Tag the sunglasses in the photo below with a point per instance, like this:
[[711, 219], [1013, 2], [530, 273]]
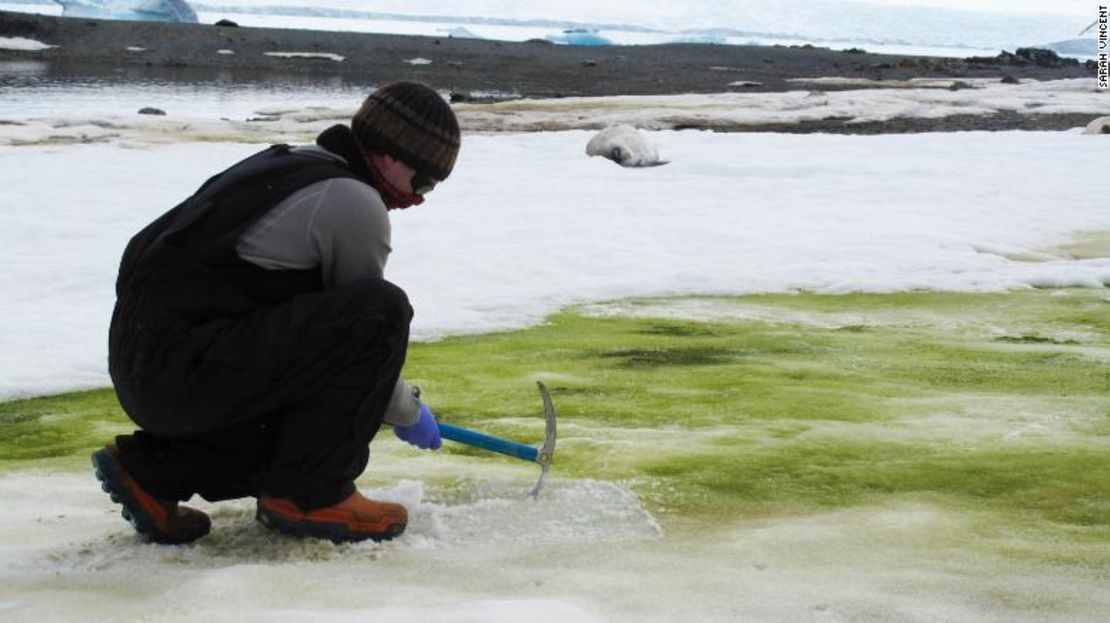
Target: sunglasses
[[422, 184]]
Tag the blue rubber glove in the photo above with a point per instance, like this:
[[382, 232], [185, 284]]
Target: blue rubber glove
[[424, 434]]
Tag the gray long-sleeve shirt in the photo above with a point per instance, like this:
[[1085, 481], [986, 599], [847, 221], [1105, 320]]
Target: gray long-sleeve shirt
[[341, 226]]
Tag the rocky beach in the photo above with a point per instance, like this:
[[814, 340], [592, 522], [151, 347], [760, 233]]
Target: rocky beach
[[486, 71]]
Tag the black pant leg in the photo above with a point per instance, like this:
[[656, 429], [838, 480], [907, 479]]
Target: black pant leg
[[321, 444], [224, 464], [318, 370]]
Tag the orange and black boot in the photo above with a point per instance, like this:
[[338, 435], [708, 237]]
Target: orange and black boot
[[160, 520], [356, 518]]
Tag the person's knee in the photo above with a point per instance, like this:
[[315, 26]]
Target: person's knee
[[396, 300], [379, 298]]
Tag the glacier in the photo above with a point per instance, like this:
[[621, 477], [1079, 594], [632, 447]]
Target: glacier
[[134, 10]]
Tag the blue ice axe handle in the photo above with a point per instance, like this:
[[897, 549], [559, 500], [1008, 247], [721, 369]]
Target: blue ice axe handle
[[542, 455], [488, 442]]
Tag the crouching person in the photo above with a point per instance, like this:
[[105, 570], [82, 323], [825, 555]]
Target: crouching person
[[255, 342]]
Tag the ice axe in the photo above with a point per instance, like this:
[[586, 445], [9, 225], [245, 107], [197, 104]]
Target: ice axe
[[542, 455]]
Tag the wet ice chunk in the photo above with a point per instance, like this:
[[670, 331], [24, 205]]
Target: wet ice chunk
[[576, 511]]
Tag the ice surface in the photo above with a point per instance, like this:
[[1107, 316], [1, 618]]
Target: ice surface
[[485, 514]]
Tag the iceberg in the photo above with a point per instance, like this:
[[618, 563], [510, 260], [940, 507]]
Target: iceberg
[[1078, 48], [134, 10], [579, 36]]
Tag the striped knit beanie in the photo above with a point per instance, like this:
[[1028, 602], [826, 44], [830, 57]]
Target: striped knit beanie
[[412, 123]]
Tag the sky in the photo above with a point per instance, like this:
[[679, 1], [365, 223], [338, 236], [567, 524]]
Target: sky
[[1080, 8]]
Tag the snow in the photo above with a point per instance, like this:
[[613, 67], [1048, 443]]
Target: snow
[[732, 213], [244, 572], [899, 562], [23, 44], [324, 55]]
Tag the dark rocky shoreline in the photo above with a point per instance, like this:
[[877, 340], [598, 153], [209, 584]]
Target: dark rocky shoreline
[[477, 69]]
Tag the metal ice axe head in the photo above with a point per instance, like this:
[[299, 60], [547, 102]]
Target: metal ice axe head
[[543, 455]]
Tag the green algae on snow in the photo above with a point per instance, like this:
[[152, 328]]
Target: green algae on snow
[[773, 404], [55, 428]]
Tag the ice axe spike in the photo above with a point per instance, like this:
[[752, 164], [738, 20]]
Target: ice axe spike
[[542, 455]]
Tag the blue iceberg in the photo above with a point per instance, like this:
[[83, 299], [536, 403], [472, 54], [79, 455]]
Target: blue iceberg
[[579, 36], [1077, 48], [134, 10]]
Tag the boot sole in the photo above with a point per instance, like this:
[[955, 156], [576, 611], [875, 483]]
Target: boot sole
[[109, 472], [334, 532]]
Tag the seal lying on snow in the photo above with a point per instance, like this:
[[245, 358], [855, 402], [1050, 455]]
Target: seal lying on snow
[[1098, 126], [625, 146]]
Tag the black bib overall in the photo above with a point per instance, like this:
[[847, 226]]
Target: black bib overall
[[246, 380]]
